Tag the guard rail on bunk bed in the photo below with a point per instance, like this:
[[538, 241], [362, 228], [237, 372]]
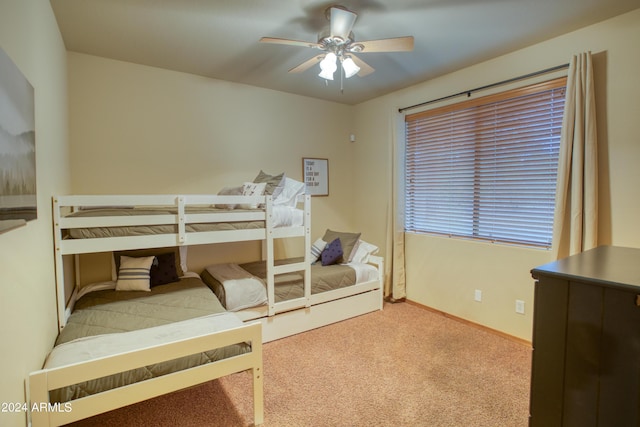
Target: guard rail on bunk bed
[[45, 413]]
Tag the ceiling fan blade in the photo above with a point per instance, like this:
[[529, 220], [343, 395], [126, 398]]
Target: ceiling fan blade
[[397, 44], [307, 64], [342, 21], [365, 69], [289, 42]]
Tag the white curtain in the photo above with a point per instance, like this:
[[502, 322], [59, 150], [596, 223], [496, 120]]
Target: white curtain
[[576, 213], [395, 282]]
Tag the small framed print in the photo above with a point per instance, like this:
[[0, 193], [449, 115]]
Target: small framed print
[[316, 176]]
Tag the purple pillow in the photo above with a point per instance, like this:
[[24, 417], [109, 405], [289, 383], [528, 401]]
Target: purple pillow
[[163, 269], [332, 253]]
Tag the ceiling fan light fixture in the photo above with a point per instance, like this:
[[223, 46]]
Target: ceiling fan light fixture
[[337, 41], [350, 68], [328, 66]]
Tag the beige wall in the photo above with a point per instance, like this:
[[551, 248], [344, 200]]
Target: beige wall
[[137, 129], [28, 325], [443, 273]]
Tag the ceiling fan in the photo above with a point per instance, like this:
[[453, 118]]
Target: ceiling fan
[[338, 44]]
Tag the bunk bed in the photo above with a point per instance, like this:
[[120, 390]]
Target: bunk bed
[[107, 223], [162, 221], [111, 223]]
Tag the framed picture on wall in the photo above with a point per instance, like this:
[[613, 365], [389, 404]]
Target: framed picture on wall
[[18, 202], [316, 176]]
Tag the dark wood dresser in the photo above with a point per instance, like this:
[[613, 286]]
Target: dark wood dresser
[[586, 340]]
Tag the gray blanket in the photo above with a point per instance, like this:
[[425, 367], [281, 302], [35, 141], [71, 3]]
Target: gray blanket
[[290, 286], [110, 311]]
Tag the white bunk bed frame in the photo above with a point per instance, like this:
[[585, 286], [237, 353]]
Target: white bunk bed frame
[[62, 205], [262, 324], [280, 319]]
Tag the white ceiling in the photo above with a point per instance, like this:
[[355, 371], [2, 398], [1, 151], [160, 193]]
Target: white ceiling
[[219, 38]]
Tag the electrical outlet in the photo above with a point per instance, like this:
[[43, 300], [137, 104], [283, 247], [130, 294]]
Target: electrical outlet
[[519, 306], [478, 295]]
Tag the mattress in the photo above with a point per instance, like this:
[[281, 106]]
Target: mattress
[[291, 285], [283, 216], [110, 315], [144, 230]]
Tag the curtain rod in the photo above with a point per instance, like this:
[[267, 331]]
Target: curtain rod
[[470, 91]]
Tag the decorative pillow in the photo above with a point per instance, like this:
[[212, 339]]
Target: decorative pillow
[[316, 249], [290, 192], [252, 189], [179, 258], [229, 191], [363, 251], [347, 240], [332, 254], [133, 274], [275, 183], [163, 269]]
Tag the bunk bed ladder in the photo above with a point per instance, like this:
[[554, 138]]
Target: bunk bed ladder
[[273, 270], [307, 248]]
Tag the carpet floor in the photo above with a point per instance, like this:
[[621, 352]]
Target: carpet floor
[[402, 366]]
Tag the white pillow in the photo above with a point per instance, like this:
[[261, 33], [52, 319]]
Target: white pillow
[[363, 251], [134, 273], [316, 249], [252, 189], [290, 192]]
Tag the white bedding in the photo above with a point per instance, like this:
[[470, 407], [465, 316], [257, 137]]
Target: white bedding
[[364, 272], [285, 216], [242, 289], [93, 347]]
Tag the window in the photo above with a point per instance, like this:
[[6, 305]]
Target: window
[[486, 168]]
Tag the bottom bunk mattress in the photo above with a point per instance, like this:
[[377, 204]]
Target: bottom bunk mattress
[[291, 285], [107, 319]]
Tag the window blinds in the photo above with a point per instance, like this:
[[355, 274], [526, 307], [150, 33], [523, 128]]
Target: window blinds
[[486, 168]]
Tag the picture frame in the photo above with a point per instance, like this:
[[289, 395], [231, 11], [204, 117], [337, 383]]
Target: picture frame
[[316, 176], [18, 198]]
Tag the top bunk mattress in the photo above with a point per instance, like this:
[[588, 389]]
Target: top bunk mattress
[[283, 216]]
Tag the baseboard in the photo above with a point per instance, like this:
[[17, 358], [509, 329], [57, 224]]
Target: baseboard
[[472, 324]]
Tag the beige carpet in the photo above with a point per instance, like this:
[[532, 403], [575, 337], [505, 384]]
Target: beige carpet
[[403, 366]]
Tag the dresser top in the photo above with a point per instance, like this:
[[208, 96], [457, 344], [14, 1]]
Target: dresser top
[[605, 266]]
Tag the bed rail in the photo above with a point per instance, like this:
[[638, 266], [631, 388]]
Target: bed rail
[[177, 215], [41, 382]]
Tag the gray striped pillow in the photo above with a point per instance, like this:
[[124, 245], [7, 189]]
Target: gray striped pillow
[[134, 273]]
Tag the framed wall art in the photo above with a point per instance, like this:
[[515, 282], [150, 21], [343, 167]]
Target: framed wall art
[[18, 201], [316, 176]]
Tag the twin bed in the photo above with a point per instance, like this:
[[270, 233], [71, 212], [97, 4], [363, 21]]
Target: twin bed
[[116, 348]]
